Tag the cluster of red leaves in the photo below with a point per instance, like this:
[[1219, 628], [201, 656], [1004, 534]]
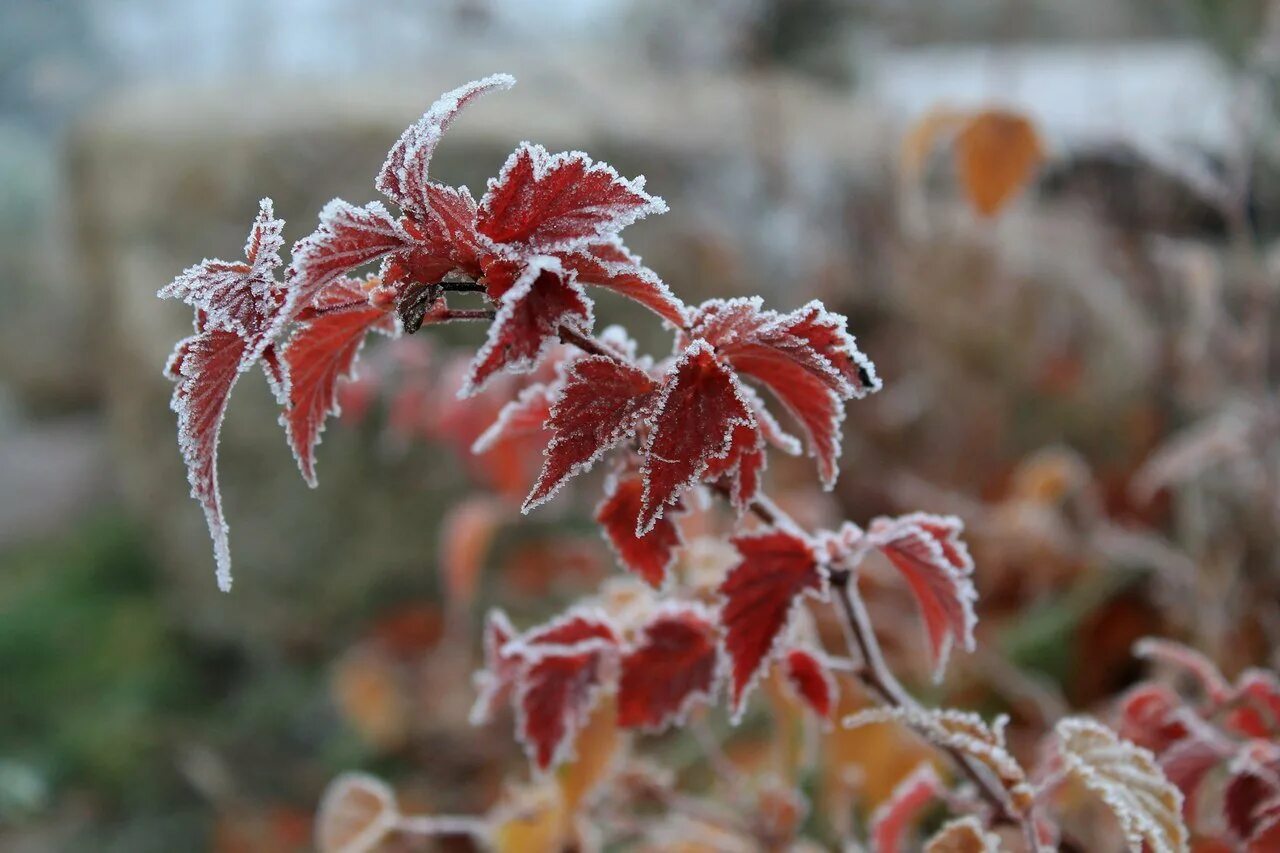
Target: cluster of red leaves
[[546, 226], [680, 655], [1221, 747], [660, 670]]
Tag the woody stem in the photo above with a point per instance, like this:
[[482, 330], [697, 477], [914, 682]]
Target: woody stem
[[879, 678]]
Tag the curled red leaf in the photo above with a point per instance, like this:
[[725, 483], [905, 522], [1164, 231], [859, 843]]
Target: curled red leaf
[[927, 550], [811, 681], [403, 177]]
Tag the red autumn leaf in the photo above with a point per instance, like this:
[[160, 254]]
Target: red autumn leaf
[[444, 241], [242, 297], [806, 358], [205, 368], [550, 202], [576, 626], [1149, 716], [672, 667], [506, 654], [650, 556], [1256, 705], [741, 467], [610, 265], [1187, 762], [239, 308], [812, 681], [600, 404], [1253, 786], [760, 594], [320, 352], [928, 552], [892, 820], [556, 690], [494, 682], [347, 237], [529, 317], [403, 177], [694, 420]]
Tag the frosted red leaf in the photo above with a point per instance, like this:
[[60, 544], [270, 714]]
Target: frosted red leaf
[[609, 264], [239, 296], [694, 420], [494, 682], [556, 690], [549, 202], [893, 819], [806, 358], [741, 467], [928, 552], [671, 667], [1149, 716], [1256, 705], [650, 556], [509, 656], [809, 677], [205, 367], [542, 300], [347, 237], [759, 596], [599, 405], [239, 307], [322, 351], [1253, 787], [576, 626], [403, 177]]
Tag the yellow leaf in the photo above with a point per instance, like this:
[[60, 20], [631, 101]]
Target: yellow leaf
[[869, 761], [1128, 779], [595, 751], [997, 154], [534, 819]]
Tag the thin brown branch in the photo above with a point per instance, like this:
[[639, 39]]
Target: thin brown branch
[[879, 678], [450, 315]]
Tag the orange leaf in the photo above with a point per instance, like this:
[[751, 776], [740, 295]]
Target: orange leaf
[[533, 819], [595, 752], [467, 534], [997, 154]]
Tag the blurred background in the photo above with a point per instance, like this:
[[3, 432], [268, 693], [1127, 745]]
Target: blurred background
[[1052, 225]]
